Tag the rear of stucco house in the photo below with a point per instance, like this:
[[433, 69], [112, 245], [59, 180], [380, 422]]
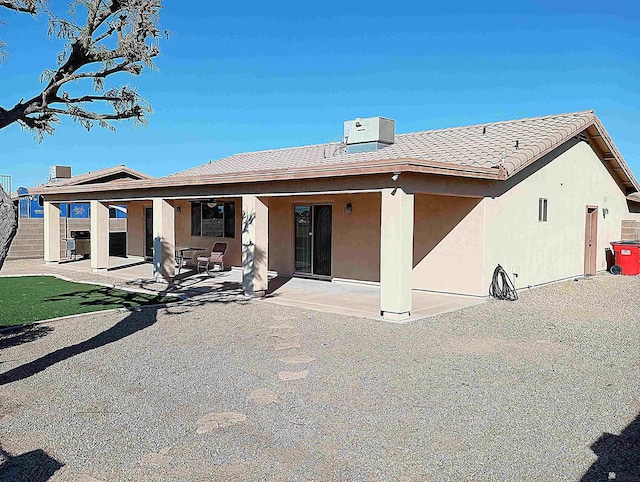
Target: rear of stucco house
[[434, 210]]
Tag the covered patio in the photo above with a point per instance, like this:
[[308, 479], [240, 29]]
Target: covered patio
[[352, 299], [382, 235]]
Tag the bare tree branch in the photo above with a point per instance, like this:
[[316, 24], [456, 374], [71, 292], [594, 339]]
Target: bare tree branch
[[117, 36], [24, 6]]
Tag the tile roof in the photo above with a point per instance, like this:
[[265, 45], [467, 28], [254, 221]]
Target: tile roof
[[96, 176], [512, 144], [95, 179]]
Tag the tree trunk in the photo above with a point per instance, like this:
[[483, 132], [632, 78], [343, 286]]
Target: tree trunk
[[8, 224]]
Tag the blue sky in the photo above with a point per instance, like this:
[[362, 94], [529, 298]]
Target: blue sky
[[240, 77]]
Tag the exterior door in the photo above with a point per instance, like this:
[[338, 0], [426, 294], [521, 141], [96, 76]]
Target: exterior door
[[313, 240], [148, 232], [591, 241]]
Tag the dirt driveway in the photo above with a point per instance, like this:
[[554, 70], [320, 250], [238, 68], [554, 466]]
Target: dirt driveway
[[545, 388]]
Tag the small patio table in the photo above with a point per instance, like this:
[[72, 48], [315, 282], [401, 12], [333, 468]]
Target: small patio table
[[180, 251]]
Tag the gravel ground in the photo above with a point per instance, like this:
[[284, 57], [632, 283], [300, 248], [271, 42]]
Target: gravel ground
[[545, 388]]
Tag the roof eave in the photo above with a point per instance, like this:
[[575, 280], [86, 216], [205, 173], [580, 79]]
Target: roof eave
[[353, 169], [604, 135], [110, 171], [597, 124]]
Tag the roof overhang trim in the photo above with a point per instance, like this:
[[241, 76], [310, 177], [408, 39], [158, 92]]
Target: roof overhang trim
[[620, 167], [353, 169]]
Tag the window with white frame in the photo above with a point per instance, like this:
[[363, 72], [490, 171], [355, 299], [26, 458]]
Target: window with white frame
[[213, 219], [542, 210]]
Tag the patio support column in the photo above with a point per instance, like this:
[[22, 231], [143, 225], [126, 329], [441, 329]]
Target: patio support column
[[51, 233], [396, 254], [164, 240], [255, 242], [99, 213]]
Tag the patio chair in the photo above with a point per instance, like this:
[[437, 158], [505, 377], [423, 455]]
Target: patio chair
[[215, 258]]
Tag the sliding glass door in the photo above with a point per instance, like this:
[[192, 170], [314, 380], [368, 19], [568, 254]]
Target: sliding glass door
[[303, 235], [313, 240], [148, 232]]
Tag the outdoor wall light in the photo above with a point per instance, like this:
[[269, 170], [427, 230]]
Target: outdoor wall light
[[178, 210], [348, 209], [605, 211], [395, 176]]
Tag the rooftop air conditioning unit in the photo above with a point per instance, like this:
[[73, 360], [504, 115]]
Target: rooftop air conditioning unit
[[59, 172], [369, 129], [369, 134]]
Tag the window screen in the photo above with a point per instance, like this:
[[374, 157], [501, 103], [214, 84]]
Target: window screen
[[542, 210], [229, 220], [213, 220], [196, 219]]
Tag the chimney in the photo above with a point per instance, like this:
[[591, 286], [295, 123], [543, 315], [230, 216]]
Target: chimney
[[368, 134]]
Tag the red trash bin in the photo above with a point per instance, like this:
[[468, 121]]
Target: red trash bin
[[627, 256]]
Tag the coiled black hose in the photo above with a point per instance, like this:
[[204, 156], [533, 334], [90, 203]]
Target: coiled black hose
[[501, 286]]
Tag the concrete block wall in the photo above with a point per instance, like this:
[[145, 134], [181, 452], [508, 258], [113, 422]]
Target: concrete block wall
[[29, 240], [630, 230]]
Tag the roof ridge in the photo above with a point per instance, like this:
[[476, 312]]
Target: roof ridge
[[510, 121], [264, 151], [102, 172], [281, 149]]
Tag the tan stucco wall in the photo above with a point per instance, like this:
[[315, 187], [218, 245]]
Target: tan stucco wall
[[448, 248], [135, 228], [541, 252], [356, 237], [281, 235], [135, 233], [458, 240], [233, 256]]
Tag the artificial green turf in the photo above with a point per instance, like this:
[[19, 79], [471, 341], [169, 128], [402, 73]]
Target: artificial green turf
[[31, 298]]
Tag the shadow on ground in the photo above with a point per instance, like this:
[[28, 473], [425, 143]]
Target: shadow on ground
[[130, 265], [34, 466], [109, 297], [22, 334], [200, 287], [618, 456], [275, 284], [135, 321]]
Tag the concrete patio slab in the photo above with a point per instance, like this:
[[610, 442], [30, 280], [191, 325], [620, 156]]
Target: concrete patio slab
[[123, 268], [339, 297], [355, 299]]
